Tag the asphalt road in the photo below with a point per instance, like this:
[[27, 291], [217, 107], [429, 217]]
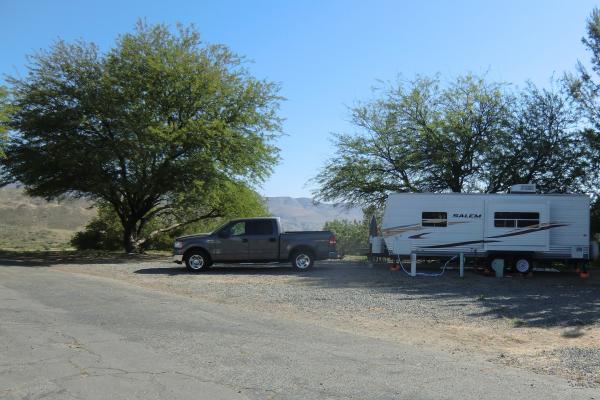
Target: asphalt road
[[66, 336]]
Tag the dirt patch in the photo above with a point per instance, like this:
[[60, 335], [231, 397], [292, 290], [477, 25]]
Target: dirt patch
[[549, 323]]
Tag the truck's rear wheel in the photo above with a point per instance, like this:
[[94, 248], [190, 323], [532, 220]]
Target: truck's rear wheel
[[197, 261], [303, 260]]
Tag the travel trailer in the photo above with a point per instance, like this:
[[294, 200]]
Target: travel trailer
[[515, 228]]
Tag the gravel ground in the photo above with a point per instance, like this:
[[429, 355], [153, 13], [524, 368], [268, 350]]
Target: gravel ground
[[549, 323]]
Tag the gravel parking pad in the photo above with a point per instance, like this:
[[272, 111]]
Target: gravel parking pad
[[548, 323]]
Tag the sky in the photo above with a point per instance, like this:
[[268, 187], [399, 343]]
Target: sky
[[327, 55]]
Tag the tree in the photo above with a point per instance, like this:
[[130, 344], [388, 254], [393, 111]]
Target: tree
[[543, 139], [352, 236], [586, 92], [418, 136], [156, 121], [470, 136], [229, 200], [4, 107]]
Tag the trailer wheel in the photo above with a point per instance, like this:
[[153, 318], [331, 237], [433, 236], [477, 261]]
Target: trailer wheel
[[523, 265]]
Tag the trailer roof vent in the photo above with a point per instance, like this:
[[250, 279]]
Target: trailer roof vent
[[523, 188]]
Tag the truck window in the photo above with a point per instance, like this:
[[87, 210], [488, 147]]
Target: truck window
[[259, 227], [436, 218], [514, 219], [238, 229]]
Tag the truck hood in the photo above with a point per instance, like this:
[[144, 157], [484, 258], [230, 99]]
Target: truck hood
[[193, 236]]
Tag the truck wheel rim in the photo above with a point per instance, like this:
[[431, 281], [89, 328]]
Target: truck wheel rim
[[196, 262], [302, 261], [522, 266]]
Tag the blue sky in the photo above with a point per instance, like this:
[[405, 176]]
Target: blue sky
[[328, 54]]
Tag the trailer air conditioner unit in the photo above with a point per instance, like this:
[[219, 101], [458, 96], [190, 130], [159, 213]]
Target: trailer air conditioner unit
[[523, 188]]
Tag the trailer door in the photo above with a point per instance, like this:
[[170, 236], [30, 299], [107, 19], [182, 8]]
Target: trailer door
[[516, 225]]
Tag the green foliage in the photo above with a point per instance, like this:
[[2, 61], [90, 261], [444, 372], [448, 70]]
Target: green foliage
[[4, 107], [105, 231], [470, 135], [583, 86], [595, 219], [156, 121], [542, 141], [352, 236], [585, 89]]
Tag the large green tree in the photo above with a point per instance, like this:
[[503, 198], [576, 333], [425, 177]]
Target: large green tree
[[585, 88], [469, 135], [3, 120], [149, 127], [416, 136], [543, 144]]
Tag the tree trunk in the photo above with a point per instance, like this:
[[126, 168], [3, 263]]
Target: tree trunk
[[129, 239]]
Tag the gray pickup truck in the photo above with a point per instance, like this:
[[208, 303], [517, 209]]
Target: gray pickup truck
[[257, 240]]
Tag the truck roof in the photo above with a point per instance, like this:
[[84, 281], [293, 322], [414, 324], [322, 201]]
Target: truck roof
[[254, 218]]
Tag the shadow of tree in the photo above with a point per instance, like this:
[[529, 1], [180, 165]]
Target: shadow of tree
[[220, 269], [50, 258], [547, 299]]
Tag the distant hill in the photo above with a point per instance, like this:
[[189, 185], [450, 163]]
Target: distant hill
[[35, 224], [303, 214]]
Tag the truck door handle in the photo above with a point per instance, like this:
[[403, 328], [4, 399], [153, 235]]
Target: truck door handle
[[244, 240], [272, 240]]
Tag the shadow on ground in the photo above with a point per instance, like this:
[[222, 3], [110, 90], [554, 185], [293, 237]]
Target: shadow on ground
[[546, 299], [50, 258], [234, 269]]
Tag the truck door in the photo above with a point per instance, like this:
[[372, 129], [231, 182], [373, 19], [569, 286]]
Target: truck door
[[231, 243], [516, 226], [263, 240]]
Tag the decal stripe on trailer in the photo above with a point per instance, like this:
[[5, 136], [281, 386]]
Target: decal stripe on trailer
[[524, 232], [542, 228]]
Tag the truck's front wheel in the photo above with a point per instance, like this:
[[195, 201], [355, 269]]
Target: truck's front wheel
[[303, 260], [197, 261]]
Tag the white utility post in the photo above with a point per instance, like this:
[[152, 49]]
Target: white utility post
[[462, 265], [413, 264]]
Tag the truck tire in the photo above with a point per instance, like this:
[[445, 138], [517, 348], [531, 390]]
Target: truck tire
[[302, 259], [523, 265], [197, 260]]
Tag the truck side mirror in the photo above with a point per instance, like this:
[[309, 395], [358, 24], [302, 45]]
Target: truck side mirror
[[224, 234]]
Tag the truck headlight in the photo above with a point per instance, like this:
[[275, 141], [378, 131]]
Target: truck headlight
[[178, 245]]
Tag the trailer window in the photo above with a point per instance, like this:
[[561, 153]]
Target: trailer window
[[436, 218], [516, 219]]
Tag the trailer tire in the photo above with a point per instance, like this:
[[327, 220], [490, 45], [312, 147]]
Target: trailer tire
[[523, 265], [302, 259]]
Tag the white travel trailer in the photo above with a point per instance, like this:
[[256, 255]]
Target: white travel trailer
[[517, 227]]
